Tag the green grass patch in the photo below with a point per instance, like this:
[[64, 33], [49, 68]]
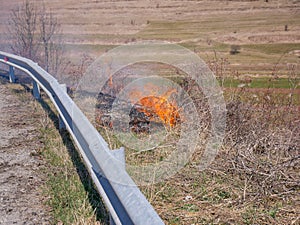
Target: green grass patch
[[190, 208], [263, 82], [72, 196], [250, 216], [88, 48], [276, 48]]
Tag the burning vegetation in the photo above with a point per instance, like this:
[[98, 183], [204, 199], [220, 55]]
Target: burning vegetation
[[161, 107], [160, 110]]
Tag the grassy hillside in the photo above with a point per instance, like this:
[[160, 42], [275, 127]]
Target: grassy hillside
[[258, 27]]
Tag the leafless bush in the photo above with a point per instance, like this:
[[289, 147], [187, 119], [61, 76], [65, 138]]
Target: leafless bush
[[235, 49], [75, 71], [263, 143], [220, 67]]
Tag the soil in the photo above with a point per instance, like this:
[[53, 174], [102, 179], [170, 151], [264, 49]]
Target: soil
[[21, 168]]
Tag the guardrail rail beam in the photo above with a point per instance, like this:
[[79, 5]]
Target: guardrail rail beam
[[123, 199]]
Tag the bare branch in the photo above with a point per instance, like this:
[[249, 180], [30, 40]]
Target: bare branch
[[36, 34]]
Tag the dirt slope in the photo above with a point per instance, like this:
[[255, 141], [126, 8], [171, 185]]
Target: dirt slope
[[20, 166]]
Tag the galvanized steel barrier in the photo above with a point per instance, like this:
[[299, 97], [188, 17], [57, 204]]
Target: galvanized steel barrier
[[125, 202]]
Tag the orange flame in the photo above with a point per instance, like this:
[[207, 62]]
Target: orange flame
[[160, 105]]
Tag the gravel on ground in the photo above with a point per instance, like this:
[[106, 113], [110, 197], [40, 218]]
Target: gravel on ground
[[22, 172]]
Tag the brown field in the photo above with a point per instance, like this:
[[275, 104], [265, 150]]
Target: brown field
[[93, 27]]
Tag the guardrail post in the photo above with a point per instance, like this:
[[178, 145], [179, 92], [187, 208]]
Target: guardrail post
[[62, 125], [36, 90], [12, 77]]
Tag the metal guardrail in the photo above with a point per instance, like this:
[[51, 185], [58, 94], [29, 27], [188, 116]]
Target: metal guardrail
[[126, 203]]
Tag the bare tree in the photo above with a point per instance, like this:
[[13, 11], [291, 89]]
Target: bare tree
[[36, 34], [50, 38], [22, 30]]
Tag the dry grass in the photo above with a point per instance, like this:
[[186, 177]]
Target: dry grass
[[255, 177]]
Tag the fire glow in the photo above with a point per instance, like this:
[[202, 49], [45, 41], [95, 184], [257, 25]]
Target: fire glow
[[166, 110]]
